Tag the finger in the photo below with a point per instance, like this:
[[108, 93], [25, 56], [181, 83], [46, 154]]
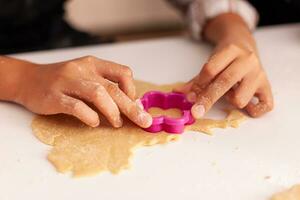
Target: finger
[[185, 88], [127, 85], [119, 74], [217, 63], [95, 93], [243, 93], [265, 103], [112, 71], [196, 89], [233, 74], [77, 108], [129, 108]]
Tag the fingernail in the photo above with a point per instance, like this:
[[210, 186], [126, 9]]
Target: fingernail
[[145, 119], [191, 96], [139, 104], [198, 111], [95, 124], [119, 123]]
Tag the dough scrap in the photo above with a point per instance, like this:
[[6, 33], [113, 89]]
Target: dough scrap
[[291, 194], [233, 119], [86, 151]]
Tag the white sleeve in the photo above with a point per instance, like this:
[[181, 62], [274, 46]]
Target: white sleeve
[[197, 12]]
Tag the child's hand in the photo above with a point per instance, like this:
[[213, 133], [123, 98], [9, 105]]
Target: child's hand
[[236, 72], [234, 69], [68, 87]]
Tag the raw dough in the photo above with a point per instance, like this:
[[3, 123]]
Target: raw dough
[[86, 151], [233, 119], [290, 194], [173, 112]]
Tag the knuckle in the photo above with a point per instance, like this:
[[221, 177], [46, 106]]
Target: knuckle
[[197, 88], [127, 70], [76, 106], [113, 88], [98, 92], [233, 47], [239, 102], [72, 106], [89, 58], [252, 57], [208, 70], [226, 78], [260, 109], [69, 66]]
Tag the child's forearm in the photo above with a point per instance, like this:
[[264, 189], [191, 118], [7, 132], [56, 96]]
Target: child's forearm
[[12, 73]]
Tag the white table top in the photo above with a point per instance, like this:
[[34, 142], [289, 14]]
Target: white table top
[[232, 164]]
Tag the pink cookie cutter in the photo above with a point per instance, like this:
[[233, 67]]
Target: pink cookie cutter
[[167, 101]]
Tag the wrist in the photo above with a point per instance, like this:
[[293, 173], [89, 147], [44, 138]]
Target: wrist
[[14, 75], [229, 28], [244, 42]]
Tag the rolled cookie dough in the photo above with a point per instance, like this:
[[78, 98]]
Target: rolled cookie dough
[[290, 194], [86, 151]]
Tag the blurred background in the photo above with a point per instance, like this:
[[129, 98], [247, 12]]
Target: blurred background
[[125, 19], [31, 25]]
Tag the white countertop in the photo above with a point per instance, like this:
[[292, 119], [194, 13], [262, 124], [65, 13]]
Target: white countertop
[[232, 164]]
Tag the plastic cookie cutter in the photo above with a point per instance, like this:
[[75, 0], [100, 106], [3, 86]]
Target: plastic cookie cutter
[[167, 101]]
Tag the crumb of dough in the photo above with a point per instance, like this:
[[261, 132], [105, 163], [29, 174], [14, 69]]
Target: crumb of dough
[[86, 151], [291, 194]]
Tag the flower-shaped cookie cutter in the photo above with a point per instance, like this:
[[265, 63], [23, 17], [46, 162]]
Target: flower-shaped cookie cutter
[[167, 101]]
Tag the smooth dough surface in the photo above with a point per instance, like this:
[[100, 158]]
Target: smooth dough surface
[[290, 194], [86, 151]]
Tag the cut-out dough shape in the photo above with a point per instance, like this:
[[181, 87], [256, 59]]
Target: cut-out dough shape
[[86, 151]]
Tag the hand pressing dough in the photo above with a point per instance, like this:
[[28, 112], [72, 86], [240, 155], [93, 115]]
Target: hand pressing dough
[[86, 151], [290, 194]]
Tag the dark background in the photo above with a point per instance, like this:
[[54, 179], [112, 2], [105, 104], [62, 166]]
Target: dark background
[[39, 24]]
